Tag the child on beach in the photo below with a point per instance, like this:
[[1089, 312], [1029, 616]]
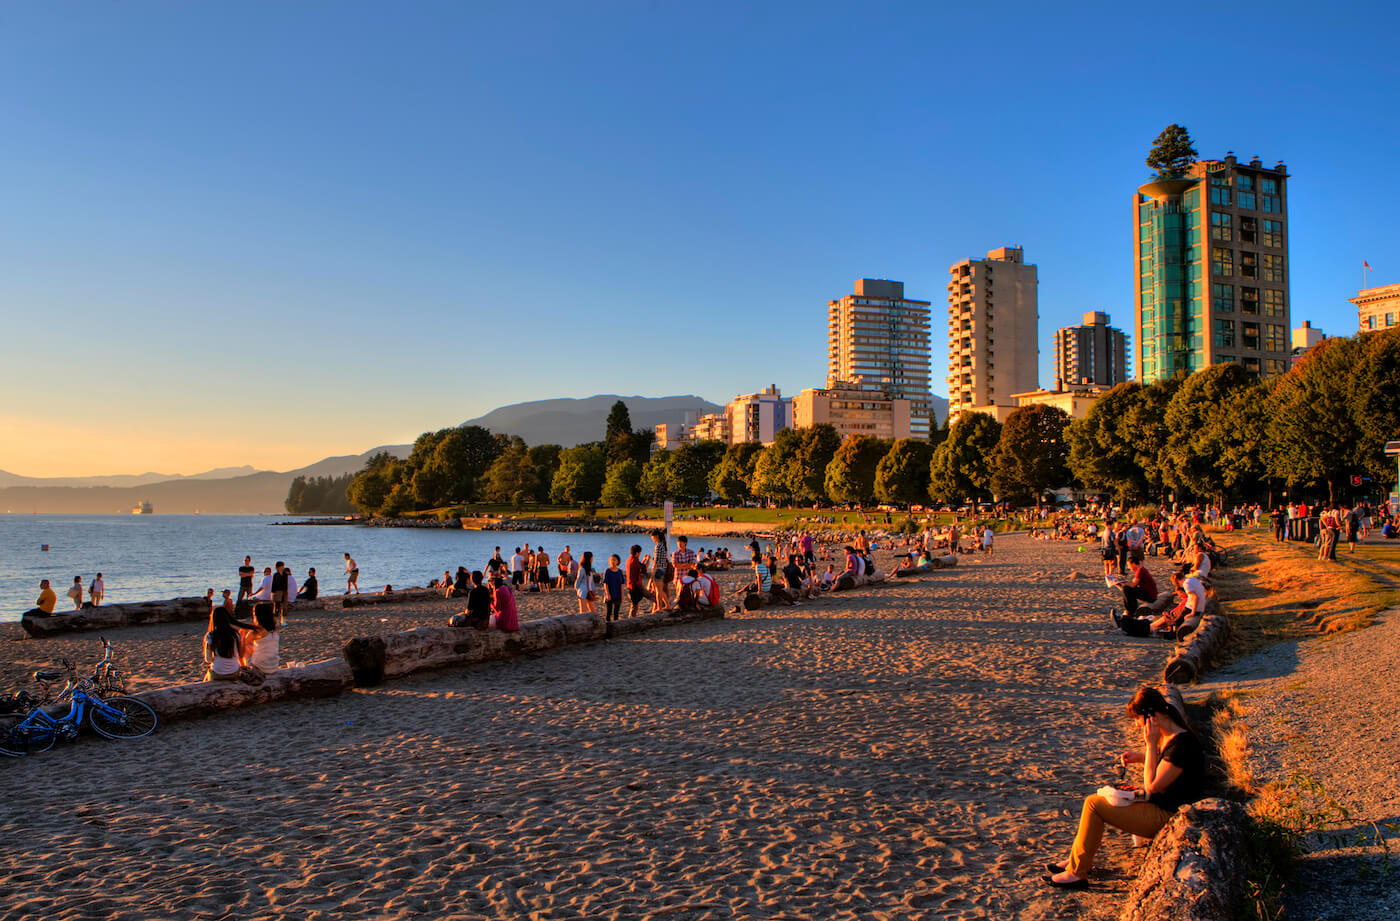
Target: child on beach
[[503, 614], [828, 577], [613, 580], [583, 585]]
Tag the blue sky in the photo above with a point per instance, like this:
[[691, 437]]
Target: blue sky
[[269, 232]]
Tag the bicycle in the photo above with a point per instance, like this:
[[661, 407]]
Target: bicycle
[[115, 718]]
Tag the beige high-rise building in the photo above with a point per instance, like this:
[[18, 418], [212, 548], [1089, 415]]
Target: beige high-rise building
[[877, 339], [853, 410], [993, 332], [1377, 308]]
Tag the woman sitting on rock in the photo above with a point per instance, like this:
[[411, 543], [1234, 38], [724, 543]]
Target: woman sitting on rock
[[1173, 775]]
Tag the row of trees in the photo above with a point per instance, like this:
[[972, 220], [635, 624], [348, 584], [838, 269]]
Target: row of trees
[[1220, 434], [322, 495]]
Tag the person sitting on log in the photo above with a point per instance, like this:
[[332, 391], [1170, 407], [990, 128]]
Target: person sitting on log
[[1139, 587], [223, 648], [1145, 618], [503, 613], [798, 583], [260, 648], [1173, 775], [762, 583], [779, 594], [309, 588], [828, 578]]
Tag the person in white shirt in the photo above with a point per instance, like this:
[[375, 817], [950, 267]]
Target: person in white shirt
[[97, 589], [265, 642], [517, 570], [987, 537], [75, 592], [352, 575], [264, 592]]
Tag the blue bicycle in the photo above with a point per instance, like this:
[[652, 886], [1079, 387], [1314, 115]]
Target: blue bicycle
[[114, 717]]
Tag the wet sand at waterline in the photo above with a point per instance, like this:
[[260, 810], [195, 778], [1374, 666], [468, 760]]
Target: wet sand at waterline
[[913, 751]]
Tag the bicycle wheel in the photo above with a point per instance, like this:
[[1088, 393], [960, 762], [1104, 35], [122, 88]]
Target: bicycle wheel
[[27, 740], [122, 718]]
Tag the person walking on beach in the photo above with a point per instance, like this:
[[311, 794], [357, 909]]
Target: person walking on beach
[[245, 578], [352, 575], [987, 538], [583, 585], [97, 590], [75, 592]]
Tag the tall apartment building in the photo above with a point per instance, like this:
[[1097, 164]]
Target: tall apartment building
[[1211, 252], [854, 410], [758, 416], [1091, 354], [1377, 308], [993, 332], [877, 339]]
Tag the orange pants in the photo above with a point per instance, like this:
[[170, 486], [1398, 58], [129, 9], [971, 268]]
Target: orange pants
[[1142, 819]]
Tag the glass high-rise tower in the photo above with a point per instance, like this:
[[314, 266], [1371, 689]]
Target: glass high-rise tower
[[1211, 253]]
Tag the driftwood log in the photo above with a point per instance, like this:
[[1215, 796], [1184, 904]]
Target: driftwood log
[[203, 698], [373, 659], [1193, 655], [411, 594], [1195, 868], [110, 616]]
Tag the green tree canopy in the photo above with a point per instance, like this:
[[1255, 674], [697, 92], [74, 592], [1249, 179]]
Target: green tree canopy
[[1200, 423], [901, 477], [654, 485], [579, 479], [961, 465], [544, 459], [620, 487], [510, 473], [1312, 436], [1172, 152], [730, 479], [807, 476], [850, 476], [772, 471], [688, 471], [1031, 456], [1116, 447], [1376, 402]]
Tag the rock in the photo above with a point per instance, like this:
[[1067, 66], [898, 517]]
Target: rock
[[1195, 868], [1193, 656], [182, 701]]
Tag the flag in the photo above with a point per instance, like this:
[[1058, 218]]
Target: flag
[[1366, 265]]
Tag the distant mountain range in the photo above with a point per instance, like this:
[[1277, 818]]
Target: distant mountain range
[[246, 490], [570, 422]]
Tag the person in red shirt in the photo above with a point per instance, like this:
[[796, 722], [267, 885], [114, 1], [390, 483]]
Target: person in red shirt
[[503, 615], [636, 579]]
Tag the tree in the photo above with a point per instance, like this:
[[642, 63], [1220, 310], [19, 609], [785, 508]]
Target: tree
[[1376, 404], [850, 477], [1200, 430], [901, 477], [1312, 434], [579, 479], [654, 484], [371, 486], [772, 470], [961, 466], [1115, 448], [618, 435], [688, 472], [459, 460], [620, 487], [730, 479], [1172, 152], [511, 473], [1031, 456], [545, 461], [807, 476]]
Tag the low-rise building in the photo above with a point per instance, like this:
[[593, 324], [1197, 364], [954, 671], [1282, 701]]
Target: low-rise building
[[1377, 308], [854, 410], [712, 427], [1075, 401], [758, 416]]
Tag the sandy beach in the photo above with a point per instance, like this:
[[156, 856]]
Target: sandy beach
[[916, 751]]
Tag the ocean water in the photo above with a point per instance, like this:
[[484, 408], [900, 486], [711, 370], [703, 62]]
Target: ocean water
[[145, 557]]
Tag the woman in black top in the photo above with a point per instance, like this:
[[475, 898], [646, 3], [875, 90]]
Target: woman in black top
[[1173, 774], [478, 603]]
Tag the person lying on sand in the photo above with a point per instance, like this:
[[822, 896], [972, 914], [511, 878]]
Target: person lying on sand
[[1173, 775]]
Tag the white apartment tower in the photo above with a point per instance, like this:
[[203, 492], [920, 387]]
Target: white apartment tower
[[993, 324], [878, 340]]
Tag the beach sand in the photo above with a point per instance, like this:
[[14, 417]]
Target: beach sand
[[915, 751]]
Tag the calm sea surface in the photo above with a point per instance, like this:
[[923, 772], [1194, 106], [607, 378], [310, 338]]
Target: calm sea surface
[[143, 557]]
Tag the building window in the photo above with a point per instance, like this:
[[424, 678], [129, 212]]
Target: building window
[[1222, 298], [1219, 196], [1268, 186], [1389, 320], [1245, 183], [1225, 359], [1273, 303], [1251, 364], [1249, 267], [1273, 337], [1273, 233], [1222, 261], [1247, 228], [1250, 339], [1271, 204], [1274, 366], [1225, 334], [1273, 268], [1249, 300], [1220, 226], [1247, 201]]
